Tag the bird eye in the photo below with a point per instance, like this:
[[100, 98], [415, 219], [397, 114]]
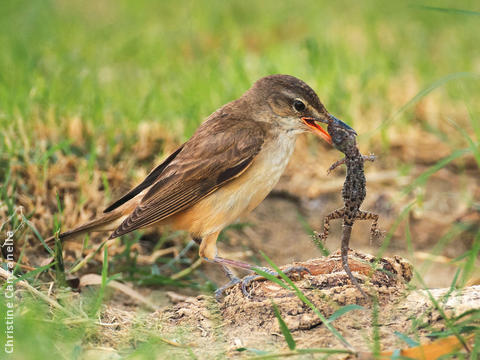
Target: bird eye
[[299, 105], [338, 138]]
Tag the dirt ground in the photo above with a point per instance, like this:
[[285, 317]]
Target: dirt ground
[[281, 227], [282, 224], [211, 328]]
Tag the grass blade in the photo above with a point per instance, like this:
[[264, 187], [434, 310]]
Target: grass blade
[[101, 291], [386, 241], [59, 265], [449, 10], [422, 178], [308, 229], [34, 272], [422, 93], [448, 321], [409, 341], [473, 146], [272, 278], [302, 297], [476, 347], [343, 310], [469, 266], [408, 238], [297, 352], [284, 328], [37, 234], [376, 346], [89, 256]]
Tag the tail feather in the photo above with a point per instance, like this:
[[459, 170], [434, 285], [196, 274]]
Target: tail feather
[[107, 222]]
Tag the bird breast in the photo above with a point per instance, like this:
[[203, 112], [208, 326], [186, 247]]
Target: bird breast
[[242, 194], [264, 173]]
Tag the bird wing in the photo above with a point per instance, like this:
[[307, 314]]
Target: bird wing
[[218, 152], [147, 182]]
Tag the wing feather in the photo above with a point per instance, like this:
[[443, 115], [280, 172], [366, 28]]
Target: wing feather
[[149, 180], [218, 152]]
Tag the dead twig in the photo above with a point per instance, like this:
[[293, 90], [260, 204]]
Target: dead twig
[[6, 275]]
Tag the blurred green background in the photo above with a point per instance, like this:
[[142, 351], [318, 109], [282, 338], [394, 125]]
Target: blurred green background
[[390, 69], [116, 63]]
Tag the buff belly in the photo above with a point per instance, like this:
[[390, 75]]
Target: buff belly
[[237, 197]]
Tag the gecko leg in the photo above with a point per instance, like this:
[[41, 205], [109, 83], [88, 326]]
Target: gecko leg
[[370, 157], [335, 165], [347, 231], [336, 214], [375, 233]]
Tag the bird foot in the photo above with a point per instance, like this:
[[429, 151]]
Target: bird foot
[[247, 280], [221, 290]]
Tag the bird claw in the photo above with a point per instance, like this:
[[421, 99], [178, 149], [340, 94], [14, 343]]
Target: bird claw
[[219, 292], [288, 271], [248, 279]]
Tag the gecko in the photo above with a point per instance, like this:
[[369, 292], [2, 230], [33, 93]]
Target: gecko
[[353, 193]]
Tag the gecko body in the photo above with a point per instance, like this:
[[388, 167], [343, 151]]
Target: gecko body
[[353, 193]]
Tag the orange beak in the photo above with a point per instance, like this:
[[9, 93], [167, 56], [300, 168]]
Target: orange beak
[[317, 129]]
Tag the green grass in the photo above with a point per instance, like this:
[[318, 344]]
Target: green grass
[[117, 64]]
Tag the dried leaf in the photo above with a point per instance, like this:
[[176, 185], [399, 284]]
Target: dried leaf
[[430, 351]]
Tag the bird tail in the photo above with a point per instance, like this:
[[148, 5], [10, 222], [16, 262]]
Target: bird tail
[[108, 222]]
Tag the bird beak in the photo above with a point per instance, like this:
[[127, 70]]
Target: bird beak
[[312, 123]]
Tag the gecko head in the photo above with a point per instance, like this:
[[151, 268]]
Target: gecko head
[[342, 138]]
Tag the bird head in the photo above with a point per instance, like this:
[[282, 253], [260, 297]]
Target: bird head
[[294, 105]]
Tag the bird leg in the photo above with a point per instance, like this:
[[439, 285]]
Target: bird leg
[[247, 279], [233, 281], [208, 253], [229, 262], [347, 231]]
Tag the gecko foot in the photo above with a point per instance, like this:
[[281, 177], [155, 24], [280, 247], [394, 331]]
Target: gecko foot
[[376, 235], [370, 157], [319, 239]]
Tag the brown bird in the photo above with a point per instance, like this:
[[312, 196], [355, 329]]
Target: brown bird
[[224, 170]]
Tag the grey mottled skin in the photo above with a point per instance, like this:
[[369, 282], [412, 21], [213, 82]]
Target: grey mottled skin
[[353, 192]]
